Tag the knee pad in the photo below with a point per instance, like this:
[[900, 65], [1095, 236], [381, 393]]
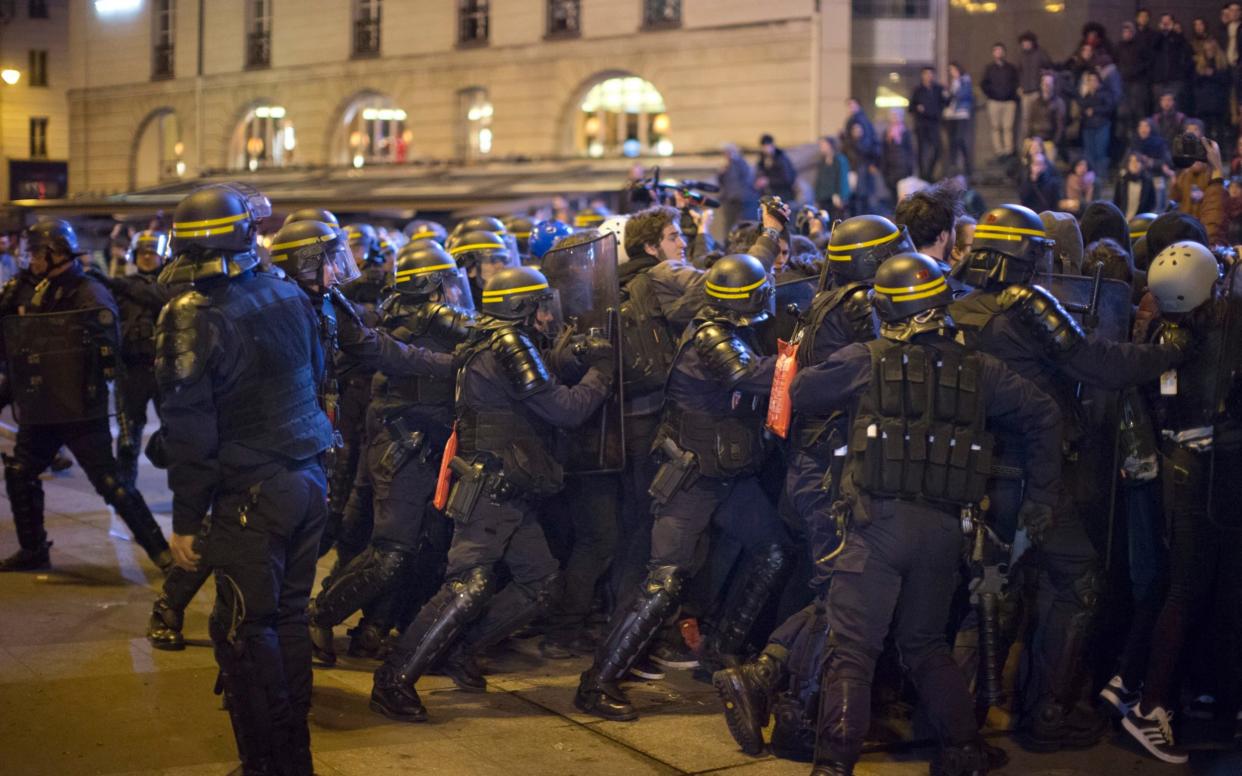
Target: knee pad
[[390, 564], [663, 579], [474, 582], [115, 493], [1088, 588]]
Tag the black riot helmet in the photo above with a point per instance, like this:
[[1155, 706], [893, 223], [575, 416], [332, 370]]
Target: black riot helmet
[[364, 242], [214, 231], [423, 229], [148, 241], [520, 228], [910, 296], [480, 224], [475, 248], [423, 267], [590, 218], [314, 254], [1010, 244], [313, 214], [860, 244], [517, 293], [52, 238], [739, 285]]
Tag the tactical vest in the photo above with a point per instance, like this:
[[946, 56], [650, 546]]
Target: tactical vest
[[410, 322], [137, 326], [272, 404], [522, 443], [918, 431], [647, 345]]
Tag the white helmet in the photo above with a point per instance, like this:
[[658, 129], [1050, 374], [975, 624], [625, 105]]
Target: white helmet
[[615, 226], [1182, 276]]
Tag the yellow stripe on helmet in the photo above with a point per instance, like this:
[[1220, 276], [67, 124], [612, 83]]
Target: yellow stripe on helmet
[[456, 249], [307, 241], [910, 293], [209, 222], [738, 292], [1138, 235], [182, 232], [500, 293], [867, 244], [994, 230], [405, 273]]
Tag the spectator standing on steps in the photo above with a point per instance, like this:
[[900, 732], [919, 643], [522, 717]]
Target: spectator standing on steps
[[1032, 63], [927, 103], [1000, 86]]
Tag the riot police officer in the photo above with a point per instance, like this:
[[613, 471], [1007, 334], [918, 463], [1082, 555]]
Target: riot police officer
[[424, 229], [64, 400], [509, 407], [140, 299], [243, 434], [546, 234], [408, 423], [919, 404], [520, 228], [481, 254], [711, 440], [1027, 328], [323, 215], [840, 314]]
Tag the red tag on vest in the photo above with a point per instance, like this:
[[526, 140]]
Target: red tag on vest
[[779, 410], [446, 474]]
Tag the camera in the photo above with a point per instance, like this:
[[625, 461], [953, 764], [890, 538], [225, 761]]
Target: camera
[[1187, 149]]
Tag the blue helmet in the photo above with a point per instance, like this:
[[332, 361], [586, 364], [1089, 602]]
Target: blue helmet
[[545, 234]]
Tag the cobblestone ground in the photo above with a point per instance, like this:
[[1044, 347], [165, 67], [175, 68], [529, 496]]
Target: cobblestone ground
[[81, 692]]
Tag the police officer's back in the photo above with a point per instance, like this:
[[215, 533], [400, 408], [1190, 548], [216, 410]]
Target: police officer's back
[[920, 407]]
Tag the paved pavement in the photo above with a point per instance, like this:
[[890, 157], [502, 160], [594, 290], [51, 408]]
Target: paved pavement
[[81, 692]]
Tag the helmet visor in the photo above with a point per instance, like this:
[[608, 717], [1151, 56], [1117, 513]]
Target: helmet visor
[[338, 266], [549, 318]]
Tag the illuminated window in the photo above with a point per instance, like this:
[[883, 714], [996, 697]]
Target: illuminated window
[[475, 111], [372, 131], [163, 18], [263, 138], [623, 117]]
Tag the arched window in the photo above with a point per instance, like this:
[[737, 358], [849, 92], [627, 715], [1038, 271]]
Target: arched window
[[263, 138], [475, 118], [622, 116], [372, 131], [158, 152]]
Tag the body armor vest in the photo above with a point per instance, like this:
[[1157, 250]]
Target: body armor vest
[[137, 324], [647, 344], [272, 405], [524, 445], [433, 325], [917, 433]]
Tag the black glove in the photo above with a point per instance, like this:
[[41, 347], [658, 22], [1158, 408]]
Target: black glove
[[1038, 519], [595, 351]]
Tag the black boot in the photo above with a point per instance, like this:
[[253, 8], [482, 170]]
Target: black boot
[[1052, 727], [831, 768], [26, 501], [513, 607], [164, 627], [436, 627], [28, 560], [746, 692], [743, 605], [973, 759], [323, 651], [631, 631], [366, 639]]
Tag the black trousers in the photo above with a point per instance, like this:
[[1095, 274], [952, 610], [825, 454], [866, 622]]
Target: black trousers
[[135, 390], [90, 442], [901, 568], [262, 546]]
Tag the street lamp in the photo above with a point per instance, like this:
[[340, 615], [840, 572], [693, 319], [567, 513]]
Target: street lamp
[[10, 76]]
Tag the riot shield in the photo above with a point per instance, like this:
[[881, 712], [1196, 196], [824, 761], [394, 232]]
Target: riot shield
[[1111, 319], [793, 299], [585, 278], [456, 289], [60, 364]]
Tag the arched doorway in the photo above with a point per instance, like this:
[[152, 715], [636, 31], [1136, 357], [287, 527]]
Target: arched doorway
[[263, 138], [621, 115], [158, 150], [371, 130]]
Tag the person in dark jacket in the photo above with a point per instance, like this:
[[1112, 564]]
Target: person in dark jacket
[[1172, 61], [1095, 106], [738, 199], [857, 116], [1210, 87], [1134, 65], [1133, 192], [775, 173], [862, 160], [927, 103], [897, 153], [832, 178], [1047, 116], [1032, 64], [1041, 188], [1000, 86]]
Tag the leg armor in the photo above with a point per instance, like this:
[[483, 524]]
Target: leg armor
[[746, 692], [513, 607], [744, 604], [131, 507], [25, 493]]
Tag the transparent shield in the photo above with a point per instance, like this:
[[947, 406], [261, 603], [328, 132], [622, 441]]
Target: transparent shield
[[456, 289], [585, 279], [339, 268]]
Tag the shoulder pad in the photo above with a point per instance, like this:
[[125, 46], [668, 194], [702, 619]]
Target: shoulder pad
[[1042, 316], [724, 354], [181, 341], [447, 323], [520, 360], [859, 312]]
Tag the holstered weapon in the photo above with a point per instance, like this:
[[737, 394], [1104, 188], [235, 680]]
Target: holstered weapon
[[677, 472], [470, 480], [405, 443]]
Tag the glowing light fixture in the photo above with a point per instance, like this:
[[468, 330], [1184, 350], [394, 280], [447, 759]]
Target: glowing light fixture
[[359, 161], [10, 76], [114, 7]]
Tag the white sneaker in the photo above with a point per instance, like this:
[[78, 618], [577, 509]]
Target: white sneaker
[[1154, 731]]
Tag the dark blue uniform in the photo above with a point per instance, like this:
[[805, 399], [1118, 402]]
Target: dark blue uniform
[[1043, 349], [90, 441], [901, 555]]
